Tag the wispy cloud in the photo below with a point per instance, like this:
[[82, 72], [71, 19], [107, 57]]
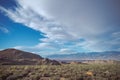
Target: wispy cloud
[[3, 29], [70, 22]]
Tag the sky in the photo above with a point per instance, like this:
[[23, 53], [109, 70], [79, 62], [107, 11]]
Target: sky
[[50, 27]]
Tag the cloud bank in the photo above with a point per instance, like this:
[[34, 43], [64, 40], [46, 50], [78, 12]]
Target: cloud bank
[[68, 25]]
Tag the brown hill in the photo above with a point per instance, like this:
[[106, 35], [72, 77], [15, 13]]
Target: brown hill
[[18, 54], [18, 57]]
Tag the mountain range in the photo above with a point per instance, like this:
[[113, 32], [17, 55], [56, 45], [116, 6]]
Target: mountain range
[[19, 57], [107, 55]]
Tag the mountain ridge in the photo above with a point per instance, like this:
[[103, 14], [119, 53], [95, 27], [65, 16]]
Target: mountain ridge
[[19, 57], [16, 54], [106, 55]]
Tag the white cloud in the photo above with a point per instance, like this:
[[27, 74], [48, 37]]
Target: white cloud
[[116, 34], [18, 47], [3, 29], [67, 21], [66, 51]]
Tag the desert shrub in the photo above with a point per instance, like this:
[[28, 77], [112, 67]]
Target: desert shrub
[[60, 72]]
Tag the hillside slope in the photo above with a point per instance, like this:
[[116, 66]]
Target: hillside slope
[[18, 57]]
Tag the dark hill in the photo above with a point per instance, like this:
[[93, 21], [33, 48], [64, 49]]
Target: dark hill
[[18, 54], [18, 57]]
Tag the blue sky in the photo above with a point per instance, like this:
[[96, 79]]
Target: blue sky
[[12, 34], [50, 27]]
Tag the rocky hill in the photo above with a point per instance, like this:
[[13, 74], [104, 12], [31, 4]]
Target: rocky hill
[[18, 57]]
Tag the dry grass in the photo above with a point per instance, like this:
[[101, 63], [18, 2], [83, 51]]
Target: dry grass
[[61, 72]]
